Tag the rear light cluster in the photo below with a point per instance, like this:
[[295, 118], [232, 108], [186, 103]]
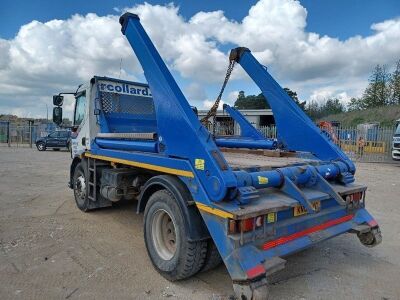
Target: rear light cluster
[[354, 200], [245, 225]]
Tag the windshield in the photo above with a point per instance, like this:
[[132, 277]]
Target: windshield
[[397, 130]]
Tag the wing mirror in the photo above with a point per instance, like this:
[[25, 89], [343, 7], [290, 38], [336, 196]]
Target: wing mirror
[[58, 100], [57, 115]]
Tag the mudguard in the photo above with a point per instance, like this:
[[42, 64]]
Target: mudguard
[[194, 221]]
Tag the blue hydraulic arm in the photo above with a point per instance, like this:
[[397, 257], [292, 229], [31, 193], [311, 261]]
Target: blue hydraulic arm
[[246, 129], [180, 133], [295, 130], [249, 136]]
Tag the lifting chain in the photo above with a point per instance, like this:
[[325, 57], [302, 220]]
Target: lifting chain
[[213, 110]]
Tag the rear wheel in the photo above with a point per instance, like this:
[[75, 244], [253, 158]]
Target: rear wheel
[[213, 259], [166, 238]]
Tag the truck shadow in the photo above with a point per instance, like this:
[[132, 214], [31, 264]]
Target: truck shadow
[[326, 264]]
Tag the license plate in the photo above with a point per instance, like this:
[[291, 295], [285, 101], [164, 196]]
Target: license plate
[[300, 210]]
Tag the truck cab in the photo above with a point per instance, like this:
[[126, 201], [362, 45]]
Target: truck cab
[[117, 97], [396, 142]]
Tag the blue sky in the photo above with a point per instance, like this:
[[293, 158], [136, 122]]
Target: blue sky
[[321, 49], [336, 18]]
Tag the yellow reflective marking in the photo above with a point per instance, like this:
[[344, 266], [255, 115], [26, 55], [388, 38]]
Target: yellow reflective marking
[[142, 165], [300, 210], [199, 164], [214, 211], [262, 180], [271, 217]]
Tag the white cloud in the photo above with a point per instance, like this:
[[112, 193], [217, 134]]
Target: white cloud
[[44, 58], [195, 92], [207, 104], [232, 96]]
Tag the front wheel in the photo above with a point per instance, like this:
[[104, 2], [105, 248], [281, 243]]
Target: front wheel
[[166, 238], [41, 146], [80, 186]]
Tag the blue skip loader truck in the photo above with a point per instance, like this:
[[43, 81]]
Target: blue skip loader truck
[[245, 200]]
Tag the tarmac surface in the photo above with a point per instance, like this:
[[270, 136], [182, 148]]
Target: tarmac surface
[[51, 250]]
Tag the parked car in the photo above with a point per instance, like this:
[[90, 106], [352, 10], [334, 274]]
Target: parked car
[[56, 140]]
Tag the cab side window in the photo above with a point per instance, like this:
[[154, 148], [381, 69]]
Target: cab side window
[[80, 108]]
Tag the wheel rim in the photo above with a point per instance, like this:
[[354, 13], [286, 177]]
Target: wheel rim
[[40, 146], [80, 188], [164, 234]]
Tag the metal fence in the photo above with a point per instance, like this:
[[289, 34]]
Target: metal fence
[[15, 135], [376, 144], [362, 143]]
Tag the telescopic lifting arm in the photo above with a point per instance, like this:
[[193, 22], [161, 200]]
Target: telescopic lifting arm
[[295, 129], [246, 129], [179, 130]]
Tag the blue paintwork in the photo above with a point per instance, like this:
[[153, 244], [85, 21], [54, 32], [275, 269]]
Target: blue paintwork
[[144, 120], [145, 146], [142, 157], [295, 129], [246, 129], [301, 175], [245, 143], [178, 127], [250, 137], [241, 258]]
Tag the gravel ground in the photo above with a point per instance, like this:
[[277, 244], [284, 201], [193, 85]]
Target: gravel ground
[[51, 250]]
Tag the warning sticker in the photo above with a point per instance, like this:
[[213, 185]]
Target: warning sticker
[[262, 180], [271, 218], [199, 164]]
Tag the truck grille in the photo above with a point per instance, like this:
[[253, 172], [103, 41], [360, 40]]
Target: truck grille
[[396, 145]]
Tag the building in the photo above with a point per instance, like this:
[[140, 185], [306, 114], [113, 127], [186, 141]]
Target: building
[[226, 125]]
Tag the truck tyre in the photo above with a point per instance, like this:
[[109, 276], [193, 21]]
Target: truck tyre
[[41, 146], [213, 259], [166, 239], [79, 184]]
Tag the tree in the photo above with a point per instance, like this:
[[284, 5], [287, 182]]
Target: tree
[[260, 102], [395, 85], [355, 104], [293, 95], [251, 101], [313, 110], [377, 92], [332, 107]]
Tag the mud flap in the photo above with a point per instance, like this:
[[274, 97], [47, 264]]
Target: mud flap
[[256, 290]]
